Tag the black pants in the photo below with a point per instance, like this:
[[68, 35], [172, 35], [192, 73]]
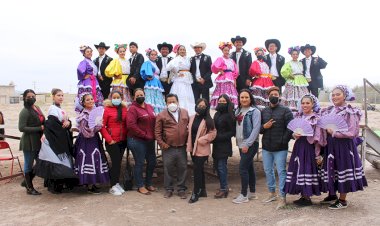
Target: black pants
[[105, 86], [198, 171], [116, 152], [313, 90], [199, 90]]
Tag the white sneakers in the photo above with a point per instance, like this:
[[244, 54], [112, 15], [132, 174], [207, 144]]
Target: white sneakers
[[116, 190], [240, 199]]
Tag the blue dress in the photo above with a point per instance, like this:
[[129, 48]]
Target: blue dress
[[153, 88]]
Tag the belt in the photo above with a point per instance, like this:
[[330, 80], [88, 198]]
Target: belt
[[182, 146], [227, 71], [183, 71]]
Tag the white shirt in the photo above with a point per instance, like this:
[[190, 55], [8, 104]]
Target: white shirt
[[125, 66], [308, 63], [197, 62], [238, 54], [100, 63], [175, 115], [164, 72], [273, 69], [133, 57]]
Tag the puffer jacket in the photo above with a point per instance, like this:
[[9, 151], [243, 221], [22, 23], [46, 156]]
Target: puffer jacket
[[113, 129]]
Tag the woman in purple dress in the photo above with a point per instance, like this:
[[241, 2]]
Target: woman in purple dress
[[87, 72], [90, 160], [342, 168], [302, 175]]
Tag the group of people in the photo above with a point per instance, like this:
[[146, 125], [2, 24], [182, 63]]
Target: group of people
[[167, 100]]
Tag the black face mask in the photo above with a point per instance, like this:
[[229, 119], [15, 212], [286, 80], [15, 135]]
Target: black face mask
[[200, 111], [30, 101], [221, 107], [274, 100], [140, 100], [260, 57]]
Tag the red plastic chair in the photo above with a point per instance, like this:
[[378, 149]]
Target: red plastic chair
[[3, 147]]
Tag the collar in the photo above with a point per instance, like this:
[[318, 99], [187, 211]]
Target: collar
[[273, 55], [104, 55], [308, 58]]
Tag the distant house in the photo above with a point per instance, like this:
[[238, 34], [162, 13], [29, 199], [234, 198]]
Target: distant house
[[8, 94]]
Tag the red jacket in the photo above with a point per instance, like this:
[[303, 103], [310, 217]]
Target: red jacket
[[112, 129], [141, 122]]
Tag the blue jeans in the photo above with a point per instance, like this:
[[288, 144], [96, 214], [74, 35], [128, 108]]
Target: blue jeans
[[277, 158], [221, 169], [142, 150], [29, 158], [246, 169]]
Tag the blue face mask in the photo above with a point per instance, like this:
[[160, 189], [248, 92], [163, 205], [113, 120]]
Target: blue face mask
[[116, 102]]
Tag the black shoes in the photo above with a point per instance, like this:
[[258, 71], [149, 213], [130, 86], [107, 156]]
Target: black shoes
[[303, 202], [194, 197], [329, 199], [29, 185]]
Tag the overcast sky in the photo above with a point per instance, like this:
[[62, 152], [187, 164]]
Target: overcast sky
[[40, 39]]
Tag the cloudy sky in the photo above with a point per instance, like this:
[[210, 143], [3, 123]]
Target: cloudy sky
[[40, 39]]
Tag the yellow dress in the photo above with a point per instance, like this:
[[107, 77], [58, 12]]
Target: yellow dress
[[119, 69]]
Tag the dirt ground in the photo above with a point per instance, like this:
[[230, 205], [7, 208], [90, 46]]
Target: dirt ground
[[132, 208]]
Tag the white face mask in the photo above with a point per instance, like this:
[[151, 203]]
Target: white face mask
[[172, 107]]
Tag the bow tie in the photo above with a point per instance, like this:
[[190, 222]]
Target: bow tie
[[198, 57]]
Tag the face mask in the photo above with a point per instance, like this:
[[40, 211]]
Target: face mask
[[116, 102], [260, 57], [140, 100], [200, 111], [273, 100], [172, 107], [30, 101], [221, 107]]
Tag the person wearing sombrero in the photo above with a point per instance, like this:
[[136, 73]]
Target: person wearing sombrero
[[275, 61], [101, 62], [165, 49], [243, 60], [262, 79], [86, 72], [201, 71], [119, 69], [296, 83], [312, 68]]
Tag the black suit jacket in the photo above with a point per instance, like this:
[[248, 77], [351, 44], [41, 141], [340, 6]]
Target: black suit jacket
[[316, 65], [204, 69], [105, 84], [159, 63], [245, 62], [104, 64], [138, 60], [280, 61]]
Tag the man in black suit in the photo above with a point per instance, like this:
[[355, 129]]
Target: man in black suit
[[201, 71], [312, 69], [243, 60], [101, 63], [165, 49], [136, 60], [275, 61]]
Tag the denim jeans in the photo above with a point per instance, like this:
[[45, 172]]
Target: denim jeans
[[246, 169], [270, 159], [221, 169], [29, 158], [142, 150]]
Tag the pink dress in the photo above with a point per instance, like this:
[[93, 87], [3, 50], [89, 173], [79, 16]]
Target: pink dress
[[225, 83], [260, 71]]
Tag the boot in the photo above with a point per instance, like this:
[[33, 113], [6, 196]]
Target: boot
[[29, 185], [23, 183], [203, 193], [221, 194], [194, 197]]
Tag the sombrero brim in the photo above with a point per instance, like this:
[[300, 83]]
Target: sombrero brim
[[170, 47], [244, 40], [275, 41], [106, 47], [312, 48]]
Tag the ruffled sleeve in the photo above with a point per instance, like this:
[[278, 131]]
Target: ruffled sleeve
[[83, 127], [286, 71], [352, 116], [218, 65], [255, 69], [114, 68], [147, 70], [173, 65], [82, 68]]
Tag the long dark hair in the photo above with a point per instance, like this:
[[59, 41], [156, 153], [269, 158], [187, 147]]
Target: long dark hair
[[119, 107], [230, 105], [24, 97], [207, 117], [250, 97]]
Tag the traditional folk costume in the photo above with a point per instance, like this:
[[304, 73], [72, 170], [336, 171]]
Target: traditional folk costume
[[262, 80], [342, 168], [119, 69], [55, 161], [90, 161], [182, 79], [302, 176], [296, 83], [89, 84], [225, 82], [153, 88]]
